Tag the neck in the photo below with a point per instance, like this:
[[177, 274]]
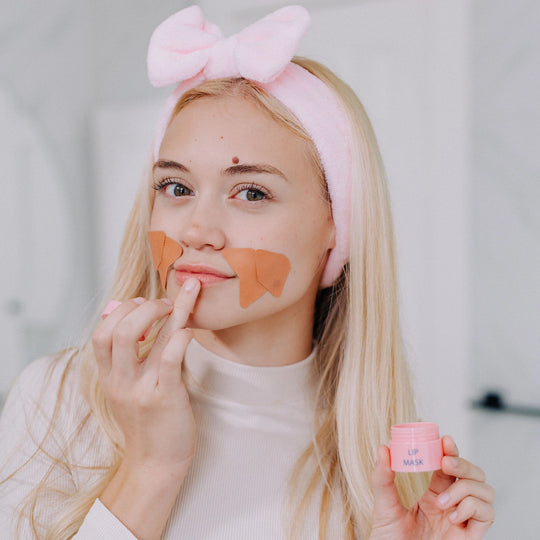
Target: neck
[[282, 339]]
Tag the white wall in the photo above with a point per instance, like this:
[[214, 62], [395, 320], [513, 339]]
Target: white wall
[[505, 245], [505, 253], [45, 53], [59, 61]]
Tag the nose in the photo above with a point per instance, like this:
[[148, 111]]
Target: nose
[[204, 227]]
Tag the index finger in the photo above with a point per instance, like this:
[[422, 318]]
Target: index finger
[[183, 306], [440, 480], [449, 446], [456, 466]]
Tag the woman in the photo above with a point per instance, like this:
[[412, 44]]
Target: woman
[[273, 369]]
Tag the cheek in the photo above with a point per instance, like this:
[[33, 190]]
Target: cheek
[[309, 234], [156, 218], [305, 255], [311, 248], [300, 236], [165, 220]]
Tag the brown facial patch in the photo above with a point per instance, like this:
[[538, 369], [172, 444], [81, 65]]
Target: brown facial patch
[[235, 160], [165, 251], [259, 271]]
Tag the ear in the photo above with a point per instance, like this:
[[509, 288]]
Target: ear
[[331, 246], [332, 242]]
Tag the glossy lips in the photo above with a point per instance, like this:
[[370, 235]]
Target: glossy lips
[[207, 275]]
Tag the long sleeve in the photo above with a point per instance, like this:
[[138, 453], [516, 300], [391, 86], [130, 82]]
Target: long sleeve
[[26, 458]]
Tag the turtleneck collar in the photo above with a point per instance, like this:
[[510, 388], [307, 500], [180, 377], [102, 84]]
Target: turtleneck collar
[[207, 373]]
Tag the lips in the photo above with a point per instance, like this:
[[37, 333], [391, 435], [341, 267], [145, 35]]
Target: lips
[[208, 276], [201, 269]]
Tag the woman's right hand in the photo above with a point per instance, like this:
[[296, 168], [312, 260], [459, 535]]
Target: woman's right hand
[[148, 398]]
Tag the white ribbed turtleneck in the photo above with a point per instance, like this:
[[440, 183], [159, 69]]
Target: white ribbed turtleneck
[[253, 423], [245, 384]]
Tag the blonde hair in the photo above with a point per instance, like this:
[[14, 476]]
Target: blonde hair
[[363, 384]]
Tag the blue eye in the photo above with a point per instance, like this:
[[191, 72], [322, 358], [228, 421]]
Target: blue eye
[[254, 193], [178, 190]]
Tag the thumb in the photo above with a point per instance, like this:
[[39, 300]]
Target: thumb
[[387, 506]]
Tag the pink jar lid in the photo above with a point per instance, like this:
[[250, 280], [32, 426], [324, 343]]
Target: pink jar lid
[[417, 431]]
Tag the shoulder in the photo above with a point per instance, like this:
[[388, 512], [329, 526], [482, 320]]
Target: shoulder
[[46, 422], [41, 376], [43, 367], [43, 413], [44, 390]]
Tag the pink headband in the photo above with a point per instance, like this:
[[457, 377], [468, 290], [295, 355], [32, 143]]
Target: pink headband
[[187, 49]]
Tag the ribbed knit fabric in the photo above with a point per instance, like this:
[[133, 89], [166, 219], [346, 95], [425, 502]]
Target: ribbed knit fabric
[[252, 425]]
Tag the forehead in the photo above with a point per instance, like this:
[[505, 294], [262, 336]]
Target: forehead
[[231, 124]]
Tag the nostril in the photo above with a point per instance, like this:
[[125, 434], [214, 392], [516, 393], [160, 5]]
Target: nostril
[[197, 236]]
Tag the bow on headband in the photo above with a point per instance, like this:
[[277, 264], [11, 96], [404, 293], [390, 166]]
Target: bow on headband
[[185, 45]]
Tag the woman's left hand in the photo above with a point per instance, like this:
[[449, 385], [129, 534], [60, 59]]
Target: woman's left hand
[[458, 504]]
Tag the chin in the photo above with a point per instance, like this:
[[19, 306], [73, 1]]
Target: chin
[[211, 315], [227, 313]]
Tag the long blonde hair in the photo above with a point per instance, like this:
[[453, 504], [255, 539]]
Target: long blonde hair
[[363, 383]]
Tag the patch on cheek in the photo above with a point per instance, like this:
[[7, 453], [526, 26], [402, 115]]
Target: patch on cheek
[[259, 271], [165, 251]]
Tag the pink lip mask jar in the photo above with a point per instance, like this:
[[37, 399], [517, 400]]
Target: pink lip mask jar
[[415, 447]]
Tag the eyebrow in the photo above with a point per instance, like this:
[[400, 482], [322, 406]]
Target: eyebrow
[[164, 164], [242, 168]]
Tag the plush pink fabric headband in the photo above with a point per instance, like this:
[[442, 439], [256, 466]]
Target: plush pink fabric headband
[[187, 49]]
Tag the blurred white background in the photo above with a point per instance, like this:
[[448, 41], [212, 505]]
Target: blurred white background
[[451, 87]]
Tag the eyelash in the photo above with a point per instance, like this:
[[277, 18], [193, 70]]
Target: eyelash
[[159, 186]]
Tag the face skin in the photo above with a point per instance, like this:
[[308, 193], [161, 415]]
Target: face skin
[[206, 210]]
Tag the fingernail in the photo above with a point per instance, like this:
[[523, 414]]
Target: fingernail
[[145, 335], [191, 284], [111, 306], [452, 516], [443, 498], [139, 300], [455, 462], [167, 301]]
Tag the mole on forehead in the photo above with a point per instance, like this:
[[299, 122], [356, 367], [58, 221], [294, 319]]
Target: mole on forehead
[[235, 160]]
